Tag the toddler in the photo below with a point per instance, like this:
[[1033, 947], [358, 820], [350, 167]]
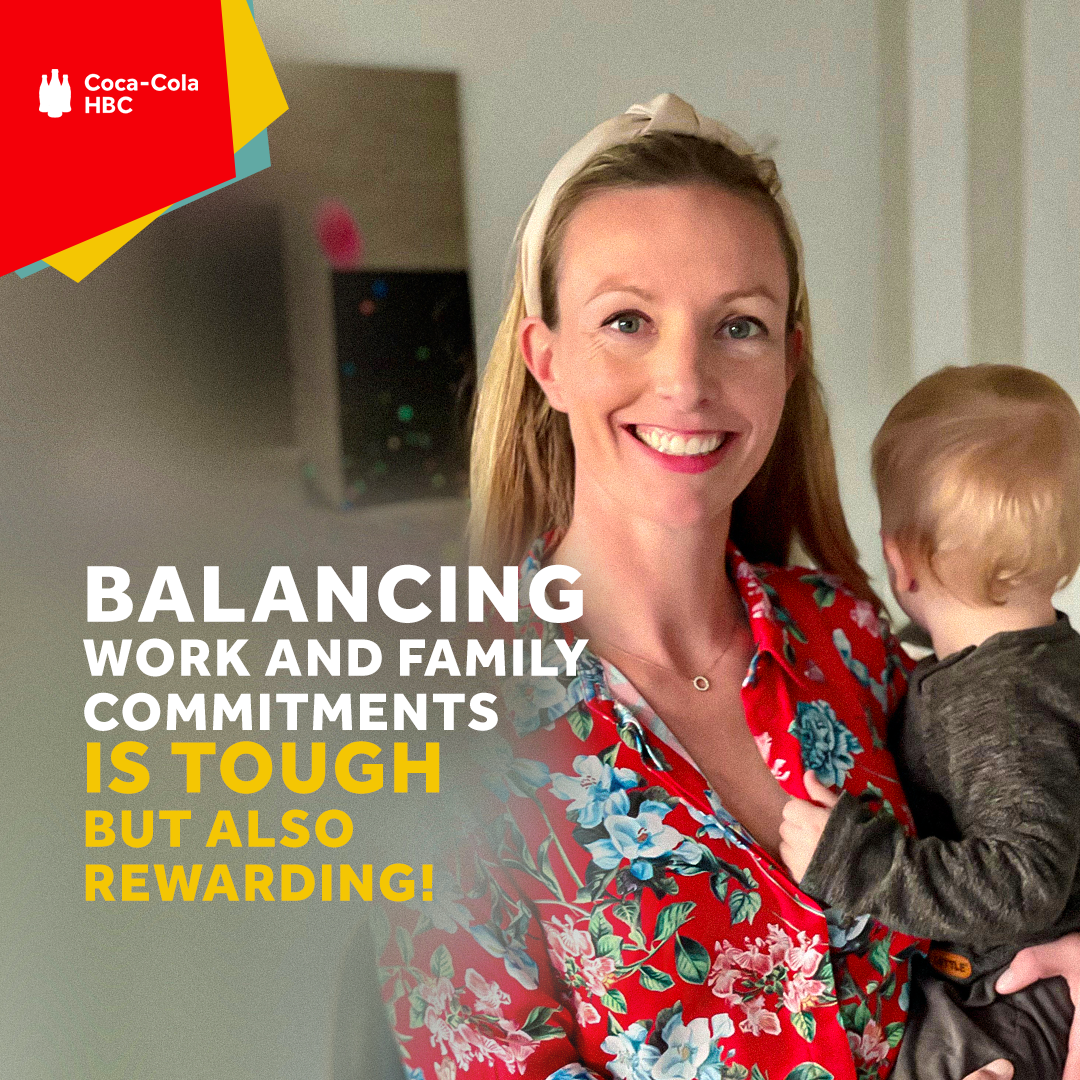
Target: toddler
[[977, 471]]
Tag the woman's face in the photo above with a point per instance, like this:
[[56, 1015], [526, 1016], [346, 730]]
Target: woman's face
[[670, 359]]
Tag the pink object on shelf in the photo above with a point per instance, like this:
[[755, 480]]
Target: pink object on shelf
[[339, 236]]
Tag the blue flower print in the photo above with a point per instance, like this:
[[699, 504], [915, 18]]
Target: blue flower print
[[446, 911], [846, 933], [573, 1071], [688, 1046], [413, 1074], [505, 774], [640, 839], [535, 703], [634, 1057], [596, 792], [511, 950], [827, 746], [719, 825]]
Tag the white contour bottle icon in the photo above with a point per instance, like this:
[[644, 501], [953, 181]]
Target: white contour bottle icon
[[54, 97]]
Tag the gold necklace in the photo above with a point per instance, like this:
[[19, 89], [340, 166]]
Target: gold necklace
[[698, 682]]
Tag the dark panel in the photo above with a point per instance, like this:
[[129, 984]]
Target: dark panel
[[405, 380]]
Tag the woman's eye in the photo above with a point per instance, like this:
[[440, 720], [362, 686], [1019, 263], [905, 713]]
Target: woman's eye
[[741, 329], [625, 323]]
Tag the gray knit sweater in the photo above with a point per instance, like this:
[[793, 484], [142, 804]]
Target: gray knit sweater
[[988, 748]]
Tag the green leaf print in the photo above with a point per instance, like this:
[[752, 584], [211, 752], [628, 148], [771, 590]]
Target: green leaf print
[[598, 923], [609, 754], [809, 1070], [691, 960], [861, 1019], [610, 945], [879, 956], [757, 1074], [653, 979], [670, 919], [629, 912], [547, 872], [536, 1024], [804, 1024], [744, 906], [404, 943], [894, 1032], [580, 721], [441, 964], [417, 1008], [614, 1000]]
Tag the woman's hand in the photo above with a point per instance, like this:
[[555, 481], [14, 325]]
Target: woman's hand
[[1061, 957]]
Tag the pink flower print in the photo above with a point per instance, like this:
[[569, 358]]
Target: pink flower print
[[759, 1019], [598, 973], [871, 1046], [490, 997], [725, 973], [778, 943], [866, 618], [764, 745], [572, 951], [585, 1011], [754, 961], [566, 938], [800, 992], [806, 956], [445, 1069], [515, 1048]]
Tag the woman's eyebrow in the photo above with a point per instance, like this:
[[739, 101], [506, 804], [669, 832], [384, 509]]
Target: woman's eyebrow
[[612, 284]]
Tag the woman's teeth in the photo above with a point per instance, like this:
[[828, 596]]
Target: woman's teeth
[[679, 445]]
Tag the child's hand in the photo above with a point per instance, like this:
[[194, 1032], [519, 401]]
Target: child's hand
[[803, 824]]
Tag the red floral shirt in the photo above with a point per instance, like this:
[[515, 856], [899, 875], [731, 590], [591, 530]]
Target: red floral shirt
[[611, 918]]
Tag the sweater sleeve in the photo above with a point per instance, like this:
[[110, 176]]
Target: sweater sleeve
[[1013, 780]]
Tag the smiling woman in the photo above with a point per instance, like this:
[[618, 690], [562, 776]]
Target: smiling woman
[[676, 362], [649, 416]]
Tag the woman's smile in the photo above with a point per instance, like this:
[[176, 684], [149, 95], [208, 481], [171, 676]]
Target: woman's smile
[[680, 450]]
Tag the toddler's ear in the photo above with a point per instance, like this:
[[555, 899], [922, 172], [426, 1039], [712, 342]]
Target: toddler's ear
[[901, 566]]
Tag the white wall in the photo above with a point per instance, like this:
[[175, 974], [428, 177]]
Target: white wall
[[1051, 299], [534, 77]]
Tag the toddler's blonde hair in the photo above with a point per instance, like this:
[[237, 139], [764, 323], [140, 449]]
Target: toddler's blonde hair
[[977, 472]]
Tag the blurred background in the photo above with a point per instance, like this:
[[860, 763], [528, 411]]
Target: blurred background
[[189, 403]]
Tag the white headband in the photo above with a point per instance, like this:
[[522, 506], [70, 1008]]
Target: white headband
[[666, 112]]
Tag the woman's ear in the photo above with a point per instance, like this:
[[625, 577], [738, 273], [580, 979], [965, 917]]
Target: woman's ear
[[794, 352], [902, 575], [536, 341]]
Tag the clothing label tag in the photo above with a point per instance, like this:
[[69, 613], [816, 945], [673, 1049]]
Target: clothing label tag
[[950, 964]]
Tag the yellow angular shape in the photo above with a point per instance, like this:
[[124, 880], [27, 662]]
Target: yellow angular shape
[[78, 260], [255, 96]]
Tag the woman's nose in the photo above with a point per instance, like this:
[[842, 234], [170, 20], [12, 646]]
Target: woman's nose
[[682, 371]]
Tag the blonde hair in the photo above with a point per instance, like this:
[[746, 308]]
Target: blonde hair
[[977, 471], [522, 472]]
